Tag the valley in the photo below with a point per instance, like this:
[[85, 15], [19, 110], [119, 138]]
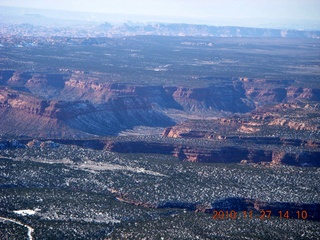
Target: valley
[[134, 136]]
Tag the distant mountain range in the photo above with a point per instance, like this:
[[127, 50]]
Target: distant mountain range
[[77, 24], [175, 29]]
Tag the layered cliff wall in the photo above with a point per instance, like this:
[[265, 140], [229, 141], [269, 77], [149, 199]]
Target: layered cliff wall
[[229, 95], [89, 104], [26, 115]]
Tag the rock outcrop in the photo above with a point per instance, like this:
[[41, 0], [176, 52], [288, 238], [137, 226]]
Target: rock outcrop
[[278, 134], [82, 104], [222, 98], [26, 115]]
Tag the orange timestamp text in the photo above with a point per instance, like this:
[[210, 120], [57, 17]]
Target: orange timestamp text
[[263, 214]]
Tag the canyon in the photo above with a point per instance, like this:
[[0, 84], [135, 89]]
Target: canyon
[[109, 133], [256, 120]]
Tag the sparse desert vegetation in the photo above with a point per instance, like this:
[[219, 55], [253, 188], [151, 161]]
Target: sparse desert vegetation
[[143, 137]]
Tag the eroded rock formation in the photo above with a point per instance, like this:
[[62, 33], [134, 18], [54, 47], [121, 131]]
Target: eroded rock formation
[[275, 121]]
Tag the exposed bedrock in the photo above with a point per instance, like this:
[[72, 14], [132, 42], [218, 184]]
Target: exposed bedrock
[[81, 104], [247, 155], [18, 78], [299, 93], [221, 98], [24, 114], [233, 95], [227, 98], [207, 152], [263, 91], [215, 153], [304, 158], [237, 96]]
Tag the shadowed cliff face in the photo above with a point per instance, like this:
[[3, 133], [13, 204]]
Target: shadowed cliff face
[[254, 208], [230, 95], [227, 152], [26, 115], [82, 105], [221, 98], [277, 134], [243, 151]]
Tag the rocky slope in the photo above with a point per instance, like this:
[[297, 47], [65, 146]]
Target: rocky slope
[[229, 94], [272, 151], [25, 115], [82, 104], [278, 134]]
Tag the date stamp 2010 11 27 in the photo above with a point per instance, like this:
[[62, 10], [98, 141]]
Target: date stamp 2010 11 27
[[264, 214]]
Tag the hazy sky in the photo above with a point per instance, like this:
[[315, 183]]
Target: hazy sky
[[197, 10]]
